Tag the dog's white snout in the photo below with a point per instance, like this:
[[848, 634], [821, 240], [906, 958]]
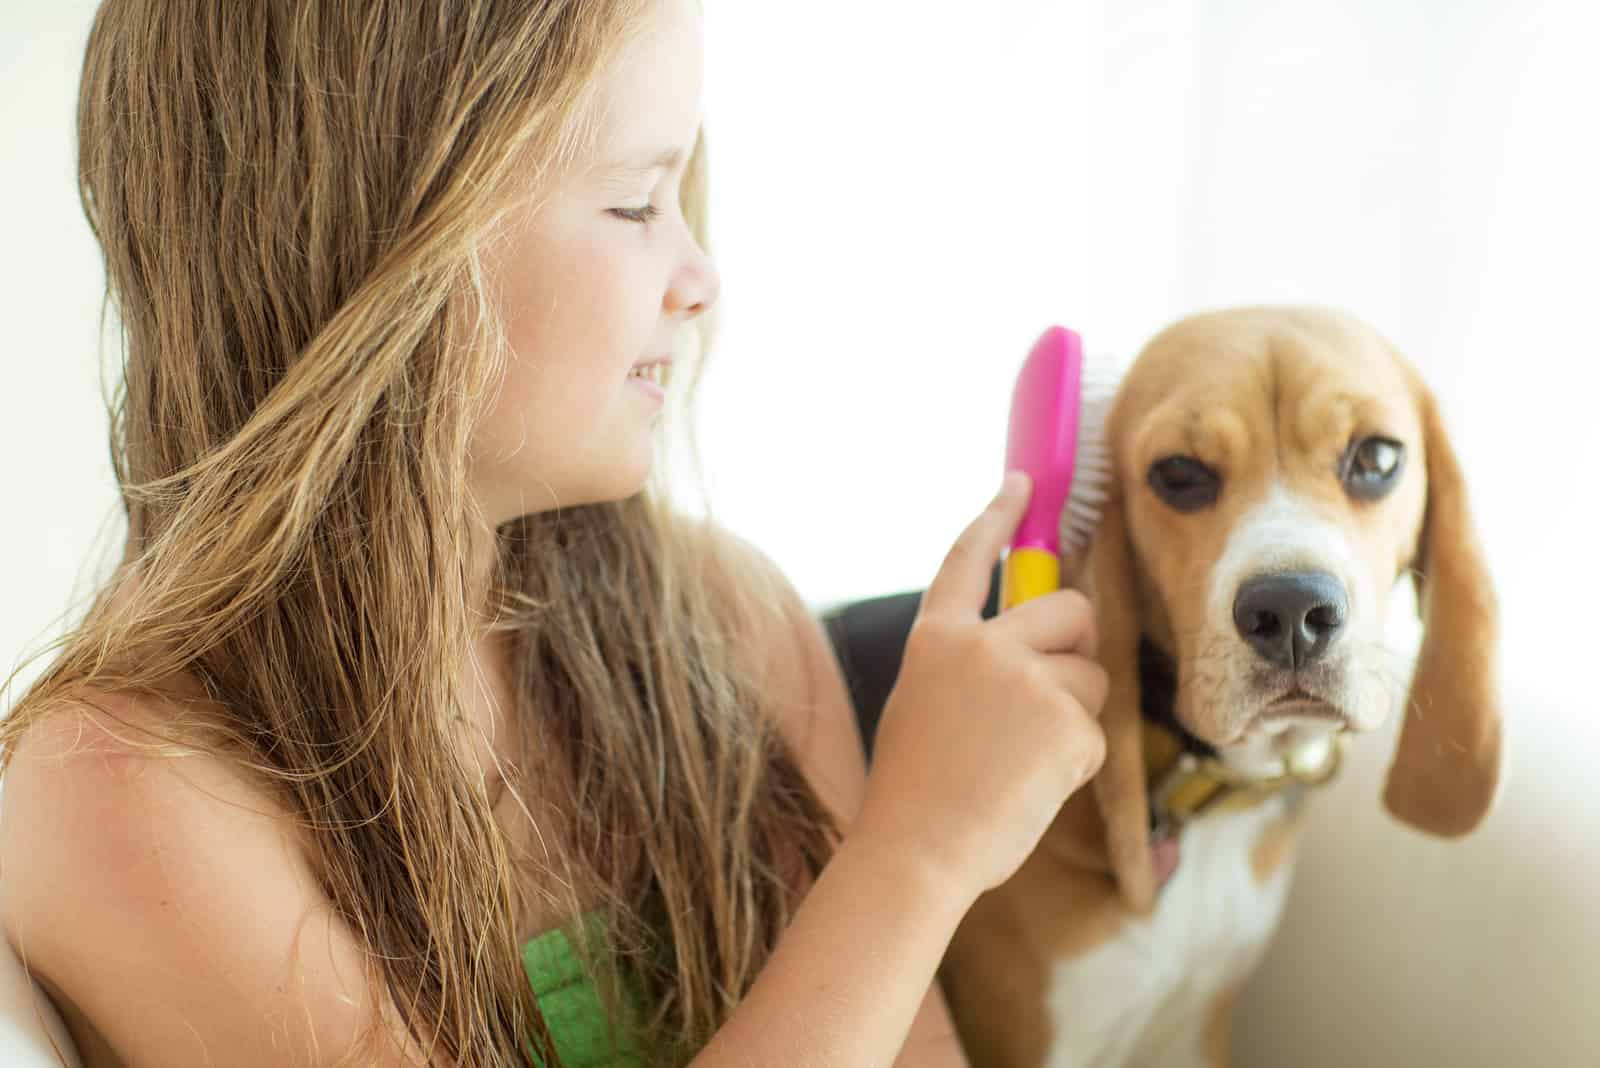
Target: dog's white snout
[[1286, 561]]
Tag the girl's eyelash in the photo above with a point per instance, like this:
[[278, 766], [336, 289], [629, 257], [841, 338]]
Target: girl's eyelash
[[638, 215]]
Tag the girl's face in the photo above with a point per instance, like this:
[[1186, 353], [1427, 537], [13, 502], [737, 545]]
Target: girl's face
[[593, 285]]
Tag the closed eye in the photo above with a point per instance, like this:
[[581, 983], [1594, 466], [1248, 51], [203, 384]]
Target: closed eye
[[638, 215]]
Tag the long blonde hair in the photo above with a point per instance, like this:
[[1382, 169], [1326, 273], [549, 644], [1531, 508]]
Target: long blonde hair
[[291, 198]]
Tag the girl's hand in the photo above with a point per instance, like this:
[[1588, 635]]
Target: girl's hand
[[991, 725]]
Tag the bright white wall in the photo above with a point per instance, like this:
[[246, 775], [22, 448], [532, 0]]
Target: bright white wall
[[56, 490], [907, 191]]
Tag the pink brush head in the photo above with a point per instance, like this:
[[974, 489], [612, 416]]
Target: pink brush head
[[1046, 406]]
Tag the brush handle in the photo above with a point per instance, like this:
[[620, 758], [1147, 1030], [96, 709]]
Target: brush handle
[[1028, 573], [1042, 433]]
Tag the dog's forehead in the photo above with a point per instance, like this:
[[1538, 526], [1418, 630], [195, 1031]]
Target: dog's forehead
[[1252, 363]]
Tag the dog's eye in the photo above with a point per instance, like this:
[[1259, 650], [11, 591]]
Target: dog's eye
[[1185, 483], [1371, 467]]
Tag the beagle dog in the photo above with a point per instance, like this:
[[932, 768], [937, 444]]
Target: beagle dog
[[1277, 471]]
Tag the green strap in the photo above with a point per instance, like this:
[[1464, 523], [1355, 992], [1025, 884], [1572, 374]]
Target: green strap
[[573, 1009]]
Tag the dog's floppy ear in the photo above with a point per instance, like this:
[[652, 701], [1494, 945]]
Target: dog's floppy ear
[[1120, 784], [1446, 767]]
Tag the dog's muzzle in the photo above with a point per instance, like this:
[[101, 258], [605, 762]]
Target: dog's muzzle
[[1290, 618]]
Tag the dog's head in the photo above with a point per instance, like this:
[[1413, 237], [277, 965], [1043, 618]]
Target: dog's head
[[1277, 471]]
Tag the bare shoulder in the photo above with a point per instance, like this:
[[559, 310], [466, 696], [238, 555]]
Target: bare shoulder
[[761, 596], [168, 902], [802, 679]]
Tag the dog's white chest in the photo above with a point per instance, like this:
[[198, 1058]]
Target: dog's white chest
[[1147, 996]]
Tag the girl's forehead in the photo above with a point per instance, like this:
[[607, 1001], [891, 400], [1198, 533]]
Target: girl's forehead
[[646, 102]]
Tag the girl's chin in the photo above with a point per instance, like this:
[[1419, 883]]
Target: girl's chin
[[627, 477]]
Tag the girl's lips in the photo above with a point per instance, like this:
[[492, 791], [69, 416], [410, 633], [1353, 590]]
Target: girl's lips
[[651, 376]]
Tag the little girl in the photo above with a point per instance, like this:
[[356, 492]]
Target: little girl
[[414, 726]]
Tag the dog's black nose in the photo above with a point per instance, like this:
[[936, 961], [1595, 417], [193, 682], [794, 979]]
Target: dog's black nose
[[1290, 617]]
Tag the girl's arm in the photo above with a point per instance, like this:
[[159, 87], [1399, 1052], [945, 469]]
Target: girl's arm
[[821, 727], [853, 971]]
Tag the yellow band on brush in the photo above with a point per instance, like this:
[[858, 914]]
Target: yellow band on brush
[[1026, 574]]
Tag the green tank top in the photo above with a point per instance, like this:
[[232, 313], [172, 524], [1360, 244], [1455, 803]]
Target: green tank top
[[573, 1009]]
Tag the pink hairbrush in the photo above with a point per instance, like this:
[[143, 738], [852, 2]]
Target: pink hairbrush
[[1056, 435]]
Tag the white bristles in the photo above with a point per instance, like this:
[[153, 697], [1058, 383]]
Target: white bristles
[[1092, 472]]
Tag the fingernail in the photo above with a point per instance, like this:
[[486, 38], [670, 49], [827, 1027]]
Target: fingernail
[[1014, 482]]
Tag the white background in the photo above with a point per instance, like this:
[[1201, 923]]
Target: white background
[[905, 192]]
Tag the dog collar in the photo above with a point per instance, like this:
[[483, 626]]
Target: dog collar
[[1183, 786]]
